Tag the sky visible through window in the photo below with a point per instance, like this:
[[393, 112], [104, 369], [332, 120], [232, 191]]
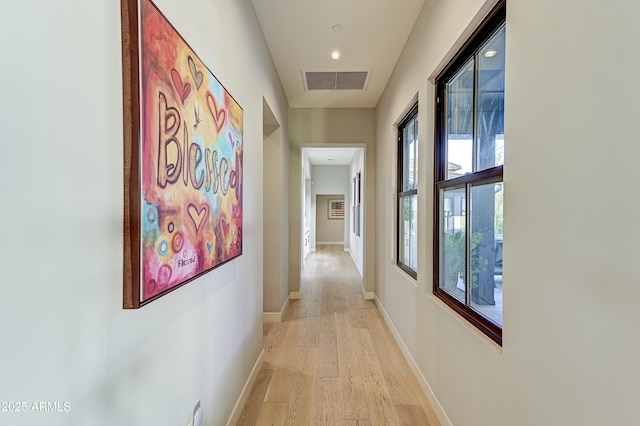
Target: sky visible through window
[[460, 152]]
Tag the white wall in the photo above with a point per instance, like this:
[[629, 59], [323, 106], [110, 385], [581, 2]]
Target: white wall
[[306, 208], [356, 242], [347, 127], [571, 288], [65, 336], [328, 231], [275, 199], [306, 232]]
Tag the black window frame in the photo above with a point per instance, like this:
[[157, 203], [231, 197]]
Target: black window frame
[[494, 21], [412, 115]]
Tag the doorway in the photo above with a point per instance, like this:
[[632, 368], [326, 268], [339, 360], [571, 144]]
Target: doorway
[[329, 174]]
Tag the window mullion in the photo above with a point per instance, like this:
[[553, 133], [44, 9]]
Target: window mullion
[[474, 105], [415, 153], [442, 98], [467, 245], [467, 194]]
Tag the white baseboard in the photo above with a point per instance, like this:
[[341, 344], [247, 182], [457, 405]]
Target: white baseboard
[[271, 317], [368, 295], [294, 295], [347, 249], [276, 316], [330, 243], [426, 388], [246, 391]]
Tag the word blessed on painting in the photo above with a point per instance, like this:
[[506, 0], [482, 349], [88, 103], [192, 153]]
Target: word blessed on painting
[[216, 173]]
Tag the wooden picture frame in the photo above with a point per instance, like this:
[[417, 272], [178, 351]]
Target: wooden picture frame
[[336, 209]]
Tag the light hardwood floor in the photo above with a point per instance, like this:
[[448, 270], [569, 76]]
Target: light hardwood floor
[[333, 361]]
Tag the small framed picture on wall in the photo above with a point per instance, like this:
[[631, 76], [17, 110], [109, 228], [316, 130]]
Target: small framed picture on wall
[[336, 209]]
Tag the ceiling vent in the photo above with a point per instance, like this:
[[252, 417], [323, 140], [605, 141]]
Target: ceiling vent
[[335, 80]]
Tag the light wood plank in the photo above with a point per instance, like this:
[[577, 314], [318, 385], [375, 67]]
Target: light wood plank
[[314, 305], [279, 389], [328, 404], [328, 324], [294, 311], [354, 401], [358, 318], [272, 413], [311, 336], [327, 299], [328, 356], [338, 299], [411, 415], [302, 399], [284, 364], [351, 296], [256, 398], [403, 386], [377, 393], [288, 349], [356, 423], [273, 340], [392, 362]]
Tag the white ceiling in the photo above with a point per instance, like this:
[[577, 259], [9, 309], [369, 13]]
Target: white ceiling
[[330, 156], [300, 38]]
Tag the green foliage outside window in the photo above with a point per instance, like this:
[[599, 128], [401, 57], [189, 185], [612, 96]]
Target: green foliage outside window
[[454, 249]]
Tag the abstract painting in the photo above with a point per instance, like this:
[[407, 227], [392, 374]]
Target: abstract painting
[[183, 160]]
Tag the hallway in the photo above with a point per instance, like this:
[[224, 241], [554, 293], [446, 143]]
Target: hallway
[[333, 361]]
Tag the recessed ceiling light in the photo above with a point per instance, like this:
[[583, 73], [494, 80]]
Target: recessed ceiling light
[[335, 54], [337, 28], [490, 53]]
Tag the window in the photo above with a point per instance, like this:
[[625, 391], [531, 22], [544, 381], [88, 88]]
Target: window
[[469, 159], [407, 243]]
